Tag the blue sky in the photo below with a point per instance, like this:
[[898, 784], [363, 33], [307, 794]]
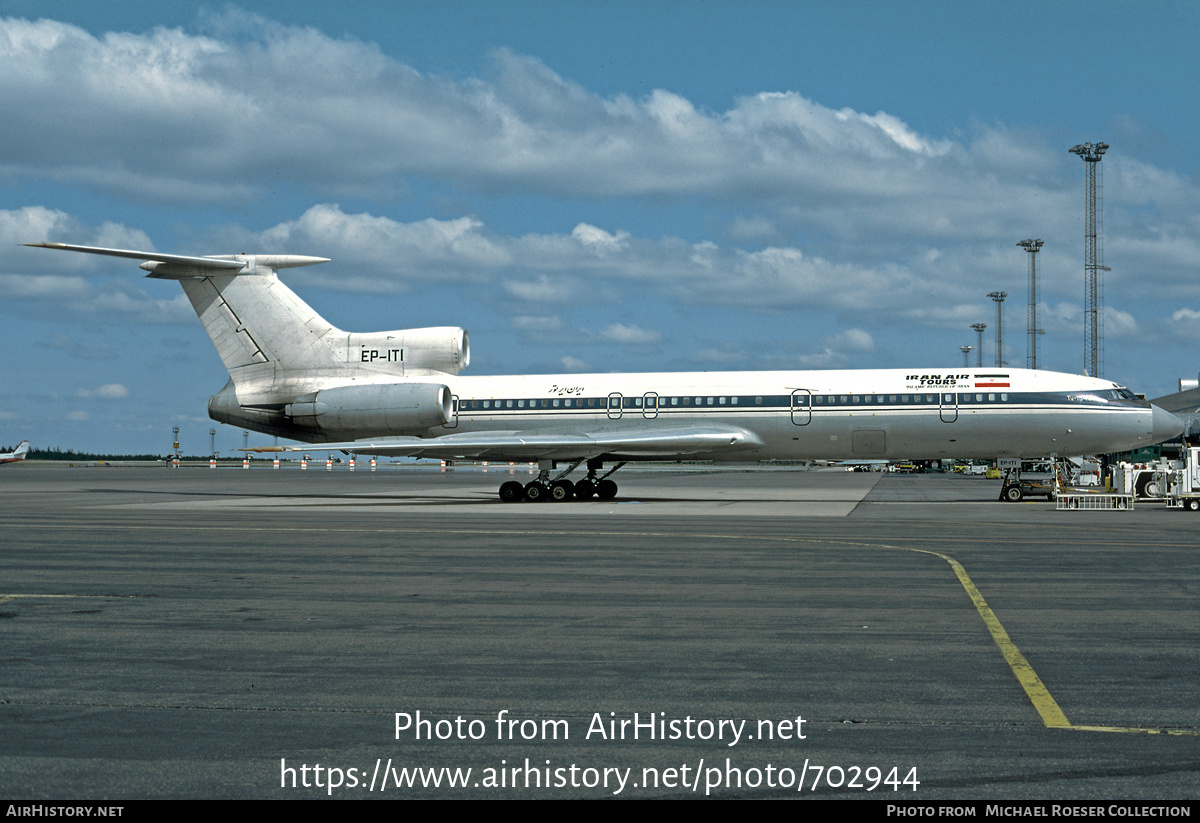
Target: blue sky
[[604, 186]]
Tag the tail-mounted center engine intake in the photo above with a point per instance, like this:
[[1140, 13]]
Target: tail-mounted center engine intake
[[368, 411], [443, 348]]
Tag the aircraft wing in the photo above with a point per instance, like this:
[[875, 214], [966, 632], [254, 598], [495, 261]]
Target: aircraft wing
[[642, 443]]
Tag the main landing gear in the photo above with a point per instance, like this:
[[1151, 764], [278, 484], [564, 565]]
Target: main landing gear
[[558, 488]]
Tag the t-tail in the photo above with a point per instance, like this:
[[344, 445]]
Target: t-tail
[[18, 454], [293, 373]]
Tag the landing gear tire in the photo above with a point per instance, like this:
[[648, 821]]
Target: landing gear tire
[[512, 492], [535, 492], [585, 490], [606, 490], [1013, 494], [562, 490]]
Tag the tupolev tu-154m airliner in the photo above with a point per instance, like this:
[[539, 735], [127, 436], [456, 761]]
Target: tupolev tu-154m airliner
[[401, 393]]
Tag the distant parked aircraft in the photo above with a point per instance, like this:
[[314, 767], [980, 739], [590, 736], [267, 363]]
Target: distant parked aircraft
[[14, 456]]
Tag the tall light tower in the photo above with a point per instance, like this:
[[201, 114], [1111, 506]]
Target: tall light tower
[[966, 350], [1093, 264], [1032, 246], [979, 327], [999, 296]]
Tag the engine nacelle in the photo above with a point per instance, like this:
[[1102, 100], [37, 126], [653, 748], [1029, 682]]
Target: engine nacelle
[[443, 348], [370, 411]]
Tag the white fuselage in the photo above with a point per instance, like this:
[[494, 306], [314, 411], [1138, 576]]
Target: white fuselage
[[931, 413]]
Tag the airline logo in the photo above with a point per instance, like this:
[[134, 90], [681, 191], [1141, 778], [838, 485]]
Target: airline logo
[[928, 381], [967, 381]]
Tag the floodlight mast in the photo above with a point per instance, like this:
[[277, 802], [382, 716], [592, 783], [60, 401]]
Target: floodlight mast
[[966, 350], [999, 296], [1093, 252], [979, 327], [1032, 246]]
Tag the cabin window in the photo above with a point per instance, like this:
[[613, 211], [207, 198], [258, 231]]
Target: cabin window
[[758, 401]]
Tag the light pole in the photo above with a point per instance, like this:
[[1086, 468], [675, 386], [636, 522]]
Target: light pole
[[979, 327], [1032, 246], [1093, 317], [966, 350], [999, 296]]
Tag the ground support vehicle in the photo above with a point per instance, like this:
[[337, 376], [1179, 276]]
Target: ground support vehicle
[[1183, 485], [1032, 478]]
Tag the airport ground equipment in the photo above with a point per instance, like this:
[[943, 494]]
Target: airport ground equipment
[[1183, 488], [1075, 499], [1173, 482], [1031, 478]]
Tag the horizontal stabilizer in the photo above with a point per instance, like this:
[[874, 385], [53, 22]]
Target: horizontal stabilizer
[[652, 442], [224, 264]]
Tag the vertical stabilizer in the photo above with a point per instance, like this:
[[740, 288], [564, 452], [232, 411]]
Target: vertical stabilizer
[[274, 345], [17, 455]]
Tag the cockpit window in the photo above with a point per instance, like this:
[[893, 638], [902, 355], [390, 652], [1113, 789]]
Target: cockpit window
[[1118, 396]]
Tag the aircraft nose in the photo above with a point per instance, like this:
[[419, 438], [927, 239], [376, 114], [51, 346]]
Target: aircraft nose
[[1164, 425]]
